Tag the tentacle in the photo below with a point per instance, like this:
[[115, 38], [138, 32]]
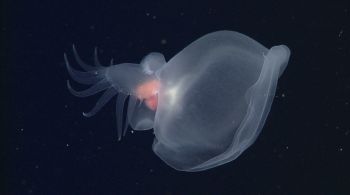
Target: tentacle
[[97, 62], [130, 112], [81, 62], [119, 111], [83, 77], [98, 87], [112, 61], [104, 99]]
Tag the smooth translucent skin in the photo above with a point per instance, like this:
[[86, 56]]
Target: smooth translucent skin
[[152, 62], [213, 99]]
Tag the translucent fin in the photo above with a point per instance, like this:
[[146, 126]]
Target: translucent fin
[[131, 109], [82, 64], [119, 112], [83, 77], [98, 87], [104, 99], [96, 61]]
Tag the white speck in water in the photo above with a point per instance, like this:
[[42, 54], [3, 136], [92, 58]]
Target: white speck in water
[[283, 95], [347, 133], [163, 41], [340, 33]]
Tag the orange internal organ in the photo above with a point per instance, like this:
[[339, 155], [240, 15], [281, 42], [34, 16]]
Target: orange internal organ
[[148, 93]]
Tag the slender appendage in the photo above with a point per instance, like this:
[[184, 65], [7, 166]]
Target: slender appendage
[[81, 63], [88, 78], [121, 98], [104, 99], [98, 87], [96, 77], [97, 62], [131, 109]]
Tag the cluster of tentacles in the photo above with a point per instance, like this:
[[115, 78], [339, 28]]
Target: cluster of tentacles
[[95, 76]]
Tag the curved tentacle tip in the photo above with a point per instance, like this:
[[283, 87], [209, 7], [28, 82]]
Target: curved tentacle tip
[[66, 59], [68, 85], [87, 114], [96, 60], [71, 90]]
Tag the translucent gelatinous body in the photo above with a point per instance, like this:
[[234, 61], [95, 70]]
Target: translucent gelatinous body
[[208, 103]]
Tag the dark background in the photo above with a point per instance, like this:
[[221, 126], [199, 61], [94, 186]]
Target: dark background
[[48, 147]]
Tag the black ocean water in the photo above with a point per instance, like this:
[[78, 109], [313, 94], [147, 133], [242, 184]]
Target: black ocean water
[[48, 147]]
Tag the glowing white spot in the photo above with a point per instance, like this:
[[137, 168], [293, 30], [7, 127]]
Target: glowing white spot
[[173, 94], [175, 91]]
